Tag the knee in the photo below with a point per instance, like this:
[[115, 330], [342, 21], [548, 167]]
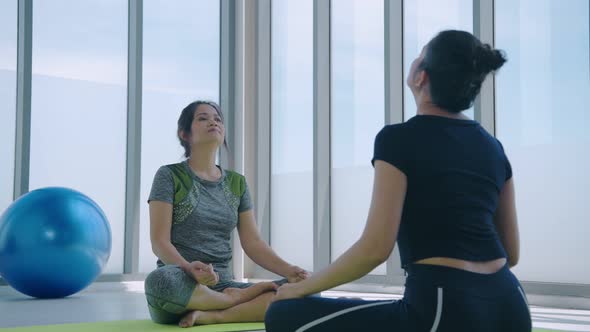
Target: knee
[[168, 290], [266, 301], [162, 281], [279, 316]]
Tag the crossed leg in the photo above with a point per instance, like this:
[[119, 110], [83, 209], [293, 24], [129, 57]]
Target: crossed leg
[[232, 305]]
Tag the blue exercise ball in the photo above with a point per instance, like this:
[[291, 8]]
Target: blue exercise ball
[[53, 242]]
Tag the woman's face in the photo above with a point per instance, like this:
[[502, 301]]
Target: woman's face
[[207, 126]]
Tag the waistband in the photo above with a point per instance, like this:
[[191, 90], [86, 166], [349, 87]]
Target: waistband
[[443, 276]]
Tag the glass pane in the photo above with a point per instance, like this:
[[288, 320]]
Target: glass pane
[[79, 95], [542, 119], [8, 39], [423, 19], [358, 113], [292, 132], [180, 65]]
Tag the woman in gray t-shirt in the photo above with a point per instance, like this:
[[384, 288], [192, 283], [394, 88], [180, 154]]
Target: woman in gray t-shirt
[[194, 207]]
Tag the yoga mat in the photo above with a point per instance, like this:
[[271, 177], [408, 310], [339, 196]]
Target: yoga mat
[[146, 325], [134, 326]]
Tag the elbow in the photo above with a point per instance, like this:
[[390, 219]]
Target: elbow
[[157, 247], [249, 253], [385, 248], [513, 253], [376, 258], [513, 260], [382, 253], [377, 254], [383, 256], [379, 260]]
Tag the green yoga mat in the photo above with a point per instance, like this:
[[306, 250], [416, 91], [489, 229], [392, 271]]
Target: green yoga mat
[[146, 325], [134, 326]]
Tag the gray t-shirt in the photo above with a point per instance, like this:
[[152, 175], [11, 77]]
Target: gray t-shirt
[[205, 213]]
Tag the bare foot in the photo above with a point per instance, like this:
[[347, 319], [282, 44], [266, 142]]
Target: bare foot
[[189, 319], [197, 317], [241, 295]]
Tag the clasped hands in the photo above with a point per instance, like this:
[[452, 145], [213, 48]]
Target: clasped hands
[[203, 273]]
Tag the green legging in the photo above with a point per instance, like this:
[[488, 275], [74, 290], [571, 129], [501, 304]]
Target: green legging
[[168, 290]]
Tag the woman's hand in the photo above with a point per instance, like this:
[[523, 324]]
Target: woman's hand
[[288, 291], [203, 273], [296, 274]]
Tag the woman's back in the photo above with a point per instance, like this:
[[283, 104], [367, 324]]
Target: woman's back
[[455, 173]]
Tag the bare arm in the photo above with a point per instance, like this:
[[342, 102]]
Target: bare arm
[[258, 250], [376, 242], [506, 223], [160, 227]]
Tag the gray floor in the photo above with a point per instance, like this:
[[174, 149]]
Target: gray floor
[[125, 301]]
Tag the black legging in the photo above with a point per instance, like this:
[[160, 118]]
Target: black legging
[[435, 299]]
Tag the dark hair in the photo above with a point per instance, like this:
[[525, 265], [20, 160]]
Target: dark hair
[[185, 122], [457, 63]]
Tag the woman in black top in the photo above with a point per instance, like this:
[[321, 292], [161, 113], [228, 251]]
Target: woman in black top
[[443, 190]]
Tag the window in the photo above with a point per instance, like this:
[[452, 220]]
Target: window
[[180, 65], [292, 131], [8, 36], [79, 96], [358, 114], [542, 120]]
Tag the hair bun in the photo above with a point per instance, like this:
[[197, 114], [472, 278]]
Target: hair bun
[[488, 59]]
